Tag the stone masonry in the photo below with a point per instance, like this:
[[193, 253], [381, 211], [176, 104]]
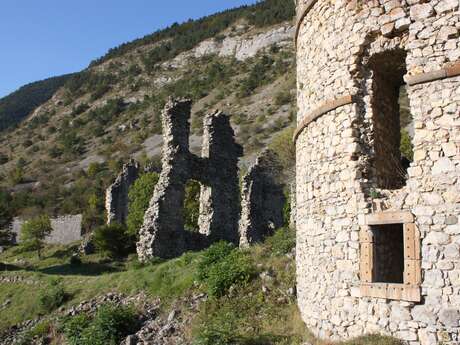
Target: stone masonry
[[262, 199], [378, 246], [116, 197], [163, 234], [66, 229]]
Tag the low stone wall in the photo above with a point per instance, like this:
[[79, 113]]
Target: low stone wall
[[66, 229]]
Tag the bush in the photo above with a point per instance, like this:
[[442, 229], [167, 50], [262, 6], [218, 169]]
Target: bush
[[212, 255], [52, 297], [108, 327], [282, 242], [74, 327], [113, 240], [406, 147], [234, 269]]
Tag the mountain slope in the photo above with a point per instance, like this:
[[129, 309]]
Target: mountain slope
[[17, 105], [242, 61]]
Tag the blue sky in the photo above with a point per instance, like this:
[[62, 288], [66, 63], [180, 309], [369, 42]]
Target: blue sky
[[44, 38]]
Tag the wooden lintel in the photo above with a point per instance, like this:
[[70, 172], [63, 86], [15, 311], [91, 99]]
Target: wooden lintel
[[383, 218]]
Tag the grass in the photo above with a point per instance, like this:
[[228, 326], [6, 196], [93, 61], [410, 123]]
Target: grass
[[258, 312]]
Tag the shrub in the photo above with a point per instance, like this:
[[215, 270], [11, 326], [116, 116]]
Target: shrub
[[406, 147], [139, 195], [73, 328], [52, 297], [234, 269], [75, 260], [213, 254], [108, 327], [112, 240], [282, 242]]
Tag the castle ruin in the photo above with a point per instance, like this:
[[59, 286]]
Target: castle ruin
[[378, 237], [163, 234]]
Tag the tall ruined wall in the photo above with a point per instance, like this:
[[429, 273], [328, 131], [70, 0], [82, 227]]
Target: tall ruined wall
[[262, 199], [116, 197], [338, 168], [219, 197], [66, 229], [162, 233]]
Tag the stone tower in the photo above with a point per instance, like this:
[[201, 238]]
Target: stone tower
[[378, 236]]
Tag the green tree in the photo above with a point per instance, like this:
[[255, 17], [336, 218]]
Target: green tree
[[113, 240], [139, 195], [34, 232], [192, 205]]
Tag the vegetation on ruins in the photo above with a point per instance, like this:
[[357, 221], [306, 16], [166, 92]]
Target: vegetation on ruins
[[140, 194]]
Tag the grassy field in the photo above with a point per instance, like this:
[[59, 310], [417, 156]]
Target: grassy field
[[261, 311]]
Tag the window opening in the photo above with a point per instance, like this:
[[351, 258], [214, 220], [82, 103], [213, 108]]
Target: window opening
[[391, 119], [388, 253]]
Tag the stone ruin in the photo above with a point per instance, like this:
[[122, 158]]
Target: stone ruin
[[66, 229], [163, 234], [224, 214], [116, 197], [378, 243], [262, 199]]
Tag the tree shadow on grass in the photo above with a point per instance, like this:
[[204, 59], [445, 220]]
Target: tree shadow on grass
[[9, 267], [83, 269]]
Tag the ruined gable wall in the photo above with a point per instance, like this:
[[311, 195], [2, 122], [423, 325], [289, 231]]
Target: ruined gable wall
[[116, 199], [335, 165], [262, 199]]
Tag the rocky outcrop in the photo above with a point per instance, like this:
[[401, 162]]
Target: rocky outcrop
[[262, 199], [163, 234], [237, 45], [116, 200], [243, 48]]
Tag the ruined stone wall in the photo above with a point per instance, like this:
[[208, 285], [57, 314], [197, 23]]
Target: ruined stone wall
[[336, 169], [163, 234], [262, 199], [116, 199], [66, 229]]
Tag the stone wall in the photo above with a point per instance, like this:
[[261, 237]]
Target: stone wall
[[163, 234], [262, 199], [66, 229], [342, 121], [116, 196]]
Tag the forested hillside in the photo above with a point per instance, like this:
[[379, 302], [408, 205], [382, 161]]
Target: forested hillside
[[16, 106], [60, 158]]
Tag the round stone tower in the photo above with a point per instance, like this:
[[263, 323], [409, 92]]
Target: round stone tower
[[378, 234]]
